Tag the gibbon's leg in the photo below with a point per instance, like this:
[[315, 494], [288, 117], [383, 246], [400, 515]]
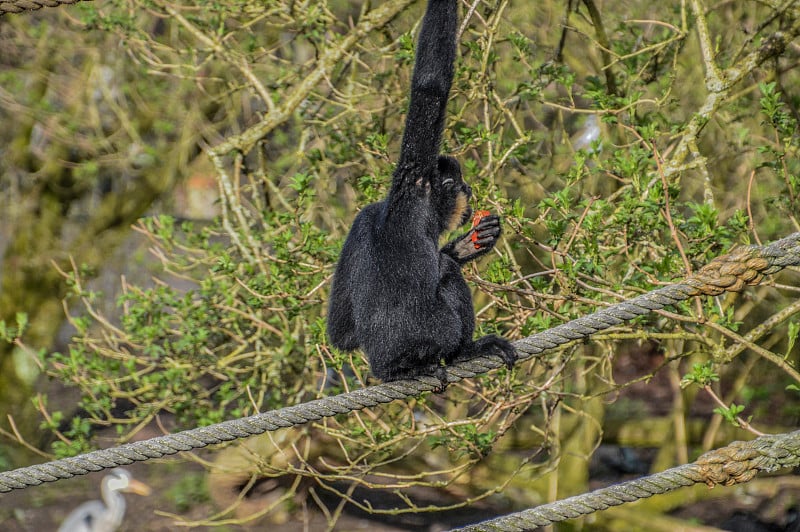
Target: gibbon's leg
[[407, 369], [408, 342], [410, 365], [462, 249]]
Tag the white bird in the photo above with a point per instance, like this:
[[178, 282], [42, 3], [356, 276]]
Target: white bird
[[94, 516]]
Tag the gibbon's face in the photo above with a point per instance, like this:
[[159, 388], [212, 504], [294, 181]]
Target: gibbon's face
[[454, 195]]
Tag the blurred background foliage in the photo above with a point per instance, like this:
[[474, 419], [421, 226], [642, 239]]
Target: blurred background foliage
[[625, 144]]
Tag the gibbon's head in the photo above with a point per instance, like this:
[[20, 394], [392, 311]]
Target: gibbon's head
[[453, 195]]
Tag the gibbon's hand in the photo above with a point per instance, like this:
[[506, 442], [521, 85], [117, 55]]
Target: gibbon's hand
[[476, 242]]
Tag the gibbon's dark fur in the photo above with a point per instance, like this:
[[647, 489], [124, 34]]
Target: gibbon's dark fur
[[395, 294]]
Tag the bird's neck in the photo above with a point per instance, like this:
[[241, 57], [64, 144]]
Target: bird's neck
[[115, 503]]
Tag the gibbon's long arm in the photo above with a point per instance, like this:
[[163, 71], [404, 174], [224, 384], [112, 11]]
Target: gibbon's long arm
[[430, 87]]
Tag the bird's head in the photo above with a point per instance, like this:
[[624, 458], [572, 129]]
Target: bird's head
[[121, 480]]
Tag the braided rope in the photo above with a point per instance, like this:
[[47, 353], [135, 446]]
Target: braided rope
[[18, 6], [735, 463], [731, 272]]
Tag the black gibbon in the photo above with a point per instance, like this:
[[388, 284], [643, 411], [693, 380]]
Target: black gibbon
[[395, 294]]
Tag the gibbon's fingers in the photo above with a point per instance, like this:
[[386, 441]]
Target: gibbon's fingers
[[483, 243], [486, 232], [486, 221], [483, 232]]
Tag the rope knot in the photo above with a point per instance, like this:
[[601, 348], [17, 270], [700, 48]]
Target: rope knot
[[730, 272], [739, 462]]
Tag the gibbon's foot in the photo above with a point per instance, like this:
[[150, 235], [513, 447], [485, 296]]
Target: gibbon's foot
[[437, 371], [494, 345], [441, 374]]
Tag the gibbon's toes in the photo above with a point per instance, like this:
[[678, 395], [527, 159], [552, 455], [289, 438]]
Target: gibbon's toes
[[501, 347], [441, 374], [507, 353]]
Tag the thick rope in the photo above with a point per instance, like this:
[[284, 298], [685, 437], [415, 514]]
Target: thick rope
[[18, 6], [738, 462], [731, 272]]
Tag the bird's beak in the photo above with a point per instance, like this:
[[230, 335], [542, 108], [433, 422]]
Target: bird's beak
[[138, 487]]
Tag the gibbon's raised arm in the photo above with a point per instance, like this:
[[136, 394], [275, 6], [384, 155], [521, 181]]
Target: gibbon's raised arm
[[430, 88]]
